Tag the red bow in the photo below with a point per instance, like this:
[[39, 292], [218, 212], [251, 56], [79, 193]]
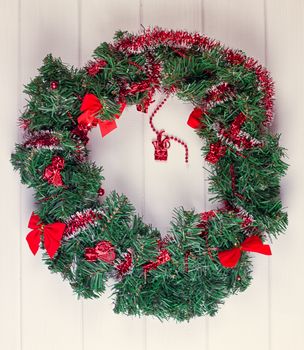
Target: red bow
[[103, 250], [52, 234], [230, 258], [52, 172], [162, 258], [195, 118], [161, 146], [90, 107]]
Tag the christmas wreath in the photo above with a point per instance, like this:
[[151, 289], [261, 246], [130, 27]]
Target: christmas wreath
[[90, 238]]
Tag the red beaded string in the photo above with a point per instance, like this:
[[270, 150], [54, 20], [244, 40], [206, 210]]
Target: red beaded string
[[171, 137]]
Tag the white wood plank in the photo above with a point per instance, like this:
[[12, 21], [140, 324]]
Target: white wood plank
[[46, 315], [9, 180], [51, 314], [173, 183], [240, 24], [285, 57], [121, 155]]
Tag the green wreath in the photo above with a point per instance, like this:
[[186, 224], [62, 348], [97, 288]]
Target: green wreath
[[89, 238]]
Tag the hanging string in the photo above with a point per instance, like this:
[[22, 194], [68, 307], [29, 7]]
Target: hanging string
[[162, 141]]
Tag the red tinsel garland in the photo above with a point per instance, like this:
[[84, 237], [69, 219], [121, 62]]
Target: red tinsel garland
[[130, 44]]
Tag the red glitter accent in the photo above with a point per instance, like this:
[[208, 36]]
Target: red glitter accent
[[162, 258], [81, 131], [94, 67], [234, 133], [52, 172], [217, 94], [205, 217], [125, 266], [217, 150]]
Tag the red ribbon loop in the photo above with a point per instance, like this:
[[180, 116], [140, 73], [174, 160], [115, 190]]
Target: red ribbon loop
[[52, 172], [161, 146], [52, 234], [103, 250], [231, 257], [91, 107]]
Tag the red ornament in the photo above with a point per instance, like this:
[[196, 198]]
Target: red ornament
[[195, 117], [54, 85], [52, 234], [103, 250], [101, 192], [161, 146], [52, 172]]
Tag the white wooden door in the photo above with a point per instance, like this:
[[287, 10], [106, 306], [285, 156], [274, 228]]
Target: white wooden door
[[37, 310]]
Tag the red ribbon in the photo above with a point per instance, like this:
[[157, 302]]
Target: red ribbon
[[103, 250], [161, 146], [217, 150], [91, 107], [52, 234], [162, 258], [195, 118], [231, 257], [52, 172]]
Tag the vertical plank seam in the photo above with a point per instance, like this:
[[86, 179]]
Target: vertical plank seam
[[79, 58], [205, 177], [268, 262], [143, 202], [79, 43], [19, 83]]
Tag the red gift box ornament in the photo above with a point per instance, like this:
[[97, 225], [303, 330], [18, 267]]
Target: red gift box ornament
[[161, 145]]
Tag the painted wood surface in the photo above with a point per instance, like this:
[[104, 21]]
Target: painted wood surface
[[38, 310]]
